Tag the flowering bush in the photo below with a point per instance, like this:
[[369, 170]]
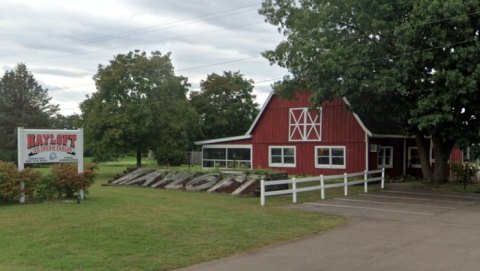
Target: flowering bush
[[67, 181], [11, 179], [64, 181]]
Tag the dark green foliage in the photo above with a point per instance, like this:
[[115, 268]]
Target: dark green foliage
[[226, 105], [8, 155], [464, 172], [475, 152], [177, 126], [46, 189], [415, 60], [23, 103], [59, 121], [137, 94]]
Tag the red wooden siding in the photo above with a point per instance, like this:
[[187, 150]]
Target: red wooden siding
[[398, 150], [398, 155], [339, 128], [456, 156]]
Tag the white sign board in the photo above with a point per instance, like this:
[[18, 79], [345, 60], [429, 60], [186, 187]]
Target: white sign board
[[50, 146]]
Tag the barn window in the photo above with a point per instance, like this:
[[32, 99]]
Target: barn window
[[281, 156], [385, 157], [305, 124], [330, 157], [413, 157], [227, 156]]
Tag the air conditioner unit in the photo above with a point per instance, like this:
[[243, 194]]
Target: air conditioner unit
[[374, 148]]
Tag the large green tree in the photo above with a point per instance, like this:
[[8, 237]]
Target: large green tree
[[226, 104], [23, 103], [59, 121], [415, 60], [138, 99]]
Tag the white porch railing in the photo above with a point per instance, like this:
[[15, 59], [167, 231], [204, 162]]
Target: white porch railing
[[367, 178]]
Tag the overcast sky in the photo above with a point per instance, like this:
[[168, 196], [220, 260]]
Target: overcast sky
[[63, 42]]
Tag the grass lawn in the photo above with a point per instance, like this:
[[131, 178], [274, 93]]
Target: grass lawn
[[130, 228]]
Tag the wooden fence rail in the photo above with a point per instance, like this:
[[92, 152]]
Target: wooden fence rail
[[294, 190]]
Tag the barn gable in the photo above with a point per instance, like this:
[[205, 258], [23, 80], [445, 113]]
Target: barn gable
[[290, 136]]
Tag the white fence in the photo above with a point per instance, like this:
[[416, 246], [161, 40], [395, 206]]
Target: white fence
[[367, 178]]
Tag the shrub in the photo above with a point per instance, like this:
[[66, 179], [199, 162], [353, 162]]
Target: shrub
[[460, 172], [11, 178], [67, 181], [64, 181], [46, 189]]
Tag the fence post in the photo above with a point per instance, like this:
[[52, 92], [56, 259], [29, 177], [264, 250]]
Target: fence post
[[345, 183], [322, 186], [294, 190], [383, 178], [21, 158], [365, 178], [262, 192]]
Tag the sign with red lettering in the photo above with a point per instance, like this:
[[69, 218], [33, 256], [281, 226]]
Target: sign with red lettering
[[50, 146]]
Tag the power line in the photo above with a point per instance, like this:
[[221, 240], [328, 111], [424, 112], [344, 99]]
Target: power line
[[186, 69], [371, 60], [243, 25], [268, 80], [219, 63], [416, 51], [70, 87], [141, 30], [352, 64], [155, 41], [357, 63], [407, 26]]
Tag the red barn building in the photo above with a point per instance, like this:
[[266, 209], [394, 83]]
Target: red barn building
[[288, 135]]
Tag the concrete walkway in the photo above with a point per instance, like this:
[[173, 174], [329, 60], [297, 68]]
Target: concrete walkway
[[396, 229]]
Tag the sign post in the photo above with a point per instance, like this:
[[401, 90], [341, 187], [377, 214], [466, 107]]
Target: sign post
[[38, 146], [21, 165]]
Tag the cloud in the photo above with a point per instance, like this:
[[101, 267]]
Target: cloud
[[63, 42], [60, 72]]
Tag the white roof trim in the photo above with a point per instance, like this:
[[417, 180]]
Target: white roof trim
[[247, 135], [267, 101], [365, 129], [224, 139]]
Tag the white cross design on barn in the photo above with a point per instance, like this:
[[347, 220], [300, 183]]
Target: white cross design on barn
[[305, 124]]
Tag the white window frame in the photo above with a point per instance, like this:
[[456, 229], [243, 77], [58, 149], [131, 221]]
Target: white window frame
[[305, 124], [270, 164], [410, 156], [330, 165], [383, 165], [228, 146]]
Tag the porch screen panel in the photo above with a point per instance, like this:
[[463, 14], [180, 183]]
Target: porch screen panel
[[227, 157]]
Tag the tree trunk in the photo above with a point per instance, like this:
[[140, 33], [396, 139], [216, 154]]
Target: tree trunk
[[441, 150], [139, 159], [423, 153]]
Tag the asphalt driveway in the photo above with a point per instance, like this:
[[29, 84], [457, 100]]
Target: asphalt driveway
[[395, 229]]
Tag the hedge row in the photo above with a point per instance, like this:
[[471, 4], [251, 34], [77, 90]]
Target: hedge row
[[64, 181]]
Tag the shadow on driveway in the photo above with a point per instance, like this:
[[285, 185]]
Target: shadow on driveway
[[394, 229]]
